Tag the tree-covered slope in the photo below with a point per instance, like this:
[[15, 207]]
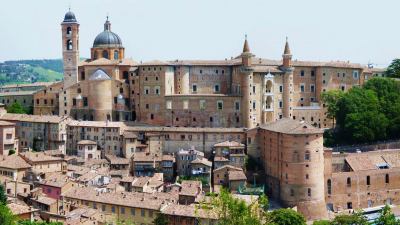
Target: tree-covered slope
[[28, 71]]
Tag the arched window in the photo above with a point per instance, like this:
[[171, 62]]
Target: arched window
[[329, 186], [268, 87], [368, 180], [348, 182], [309, 192], [116, 55], [69, 30], [69, 44], [387, 178], [79, 90], [307, 156], [105, 54], [121, 90]]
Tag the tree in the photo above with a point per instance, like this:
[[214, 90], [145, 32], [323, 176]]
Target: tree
[[160, 219], [330, 99], [232, 210], [359, 118], [352, 219], [393, 69], [322, 222], [287, 216], [27, 222], [3, 196], [11, 152], [6, 216], [388, 93], [386, 217], [16, 108]]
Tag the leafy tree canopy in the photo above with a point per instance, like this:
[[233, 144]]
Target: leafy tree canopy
[[287, 216], [3, 196], [6, 216], [365, 114], [16, 108], [394, 69]]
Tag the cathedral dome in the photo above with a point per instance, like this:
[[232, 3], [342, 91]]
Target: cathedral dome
[[107, 38], [69, 17]]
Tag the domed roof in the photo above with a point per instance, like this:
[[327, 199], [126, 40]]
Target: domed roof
[[107, 38], [70, 17]]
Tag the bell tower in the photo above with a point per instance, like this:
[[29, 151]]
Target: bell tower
[[287, 81], [70, 48]]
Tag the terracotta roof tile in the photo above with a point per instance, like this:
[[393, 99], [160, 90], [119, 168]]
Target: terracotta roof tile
[[289, 126], [236, 175], [14, 162]]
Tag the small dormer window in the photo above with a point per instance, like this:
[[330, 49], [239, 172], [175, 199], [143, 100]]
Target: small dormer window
[[382, 166]]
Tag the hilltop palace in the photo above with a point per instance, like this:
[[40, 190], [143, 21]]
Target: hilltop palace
[[208, 115]]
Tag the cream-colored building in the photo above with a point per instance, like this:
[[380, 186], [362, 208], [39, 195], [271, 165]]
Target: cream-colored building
[[8, 140], [38, 132], [43, 163], [141, 208], [87, 150]]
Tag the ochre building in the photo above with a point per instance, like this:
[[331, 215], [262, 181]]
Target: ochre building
[[244, 91]]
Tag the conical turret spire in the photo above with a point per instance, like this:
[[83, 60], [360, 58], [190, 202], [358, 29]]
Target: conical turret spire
[[287, 48], [246, 47]]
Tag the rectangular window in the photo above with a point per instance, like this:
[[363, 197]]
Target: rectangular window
[[254, 89], [202, 104], [103, 208], [312, 88], [220, 105], [280, 88], [355, 74], [132, 211], [254, 104], [194, 88], [142, 213], [237, 106], [216, 88], [122, 210], [186, 104], [169, 104], [312, 73], [301, 87], [280, 104], [85, 101], [302, 73]]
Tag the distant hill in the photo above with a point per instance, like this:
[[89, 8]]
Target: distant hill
[[28, 71]]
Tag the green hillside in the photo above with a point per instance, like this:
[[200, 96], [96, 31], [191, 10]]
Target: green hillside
[[29, 71]]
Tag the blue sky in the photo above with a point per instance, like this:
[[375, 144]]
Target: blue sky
[[321, 30]]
